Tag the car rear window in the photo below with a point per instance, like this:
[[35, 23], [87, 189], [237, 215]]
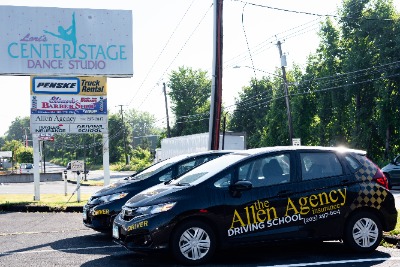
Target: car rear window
[[315, 165], [353, 163]]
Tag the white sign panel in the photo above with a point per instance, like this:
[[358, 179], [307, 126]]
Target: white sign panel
[[77, 165], [69, 105], [5, 154], [296, 141], [63, 41], [70, 119], [69, 128]]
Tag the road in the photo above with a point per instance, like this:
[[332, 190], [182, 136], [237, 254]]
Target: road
[[60, 239], [58, 187]]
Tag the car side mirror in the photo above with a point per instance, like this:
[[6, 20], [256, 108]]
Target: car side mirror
[[240, 186]]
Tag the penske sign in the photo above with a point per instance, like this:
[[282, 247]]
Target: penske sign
[[69, 105]]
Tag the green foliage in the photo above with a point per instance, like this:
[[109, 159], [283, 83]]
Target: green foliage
[[13, 146], [189, 93], [24, 154], [141, 159], [348, 94], [19, 130]]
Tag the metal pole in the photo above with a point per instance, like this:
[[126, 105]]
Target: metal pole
[[166, 111], [286, 97], [123, 125], [216, 86]]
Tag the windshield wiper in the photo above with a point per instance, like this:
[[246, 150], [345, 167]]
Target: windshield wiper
[[183, 184]]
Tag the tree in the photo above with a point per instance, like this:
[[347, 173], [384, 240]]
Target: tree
[[116, 132], [24, 154], [19, 130], [143, 127], [189, 93], [12, 146], [252, 105]]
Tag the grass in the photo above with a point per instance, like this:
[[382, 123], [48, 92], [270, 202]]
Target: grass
[[89, 182], [51, 200]]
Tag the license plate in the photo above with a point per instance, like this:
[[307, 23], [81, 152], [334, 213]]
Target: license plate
[[115, 231]]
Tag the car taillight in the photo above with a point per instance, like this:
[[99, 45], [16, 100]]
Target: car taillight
[[380, 178]]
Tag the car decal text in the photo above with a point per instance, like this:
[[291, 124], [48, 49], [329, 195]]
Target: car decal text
[[261, 214]]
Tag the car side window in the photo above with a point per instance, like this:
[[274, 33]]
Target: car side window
[[166, 176], [267, 171], [187, 166], [353, 163], [319, 165], [224, 182]]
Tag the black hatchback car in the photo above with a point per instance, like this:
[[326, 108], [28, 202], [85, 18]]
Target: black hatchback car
[[104, 205], [258, 196], [392, 172]]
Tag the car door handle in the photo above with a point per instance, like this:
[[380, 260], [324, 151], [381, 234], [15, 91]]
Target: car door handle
[[284, 193], [345, 182]]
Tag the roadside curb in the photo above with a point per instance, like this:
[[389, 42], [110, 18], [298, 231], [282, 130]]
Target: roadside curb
[[23, 208], [392, 239]]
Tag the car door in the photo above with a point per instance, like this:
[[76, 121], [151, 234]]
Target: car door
[[260, 214], [395, 172], [322, 192]]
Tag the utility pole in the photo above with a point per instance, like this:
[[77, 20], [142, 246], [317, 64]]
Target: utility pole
[[166, 111], [216, 86], [123, 127], [283, 64]]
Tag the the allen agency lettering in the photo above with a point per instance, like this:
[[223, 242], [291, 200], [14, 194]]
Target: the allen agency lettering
[[261, 214]]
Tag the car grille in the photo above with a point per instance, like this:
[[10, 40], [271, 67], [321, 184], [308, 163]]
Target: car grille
[[128, 214]]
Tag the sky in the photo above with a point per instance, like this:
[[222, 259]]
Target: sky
[[168, 34]]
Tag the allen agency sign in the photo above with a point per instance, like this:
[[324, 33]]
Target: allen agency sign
[[62, 41], [69, 105]]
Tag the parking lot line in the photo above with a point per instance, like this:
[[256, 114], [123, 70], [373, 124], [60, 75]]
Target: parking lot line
[[334, 262], [57, 250]]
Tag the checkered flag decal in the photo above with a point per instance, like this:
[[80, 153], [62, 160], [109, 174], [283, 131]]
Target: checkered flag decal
[[370, 194]]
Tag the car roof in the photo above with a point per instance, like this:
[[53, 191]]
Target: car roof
[[260, 150]]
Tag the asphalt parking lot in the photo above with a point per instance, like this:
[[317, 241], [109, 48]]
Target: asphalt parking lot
[[60, 239]]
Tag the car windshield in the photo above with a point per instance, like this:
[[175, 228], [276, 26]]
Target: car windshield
[[156, 168], [207, 170]]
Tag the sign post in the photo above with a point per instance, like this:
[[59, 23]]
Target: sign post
[[36, 174], [78, 166]]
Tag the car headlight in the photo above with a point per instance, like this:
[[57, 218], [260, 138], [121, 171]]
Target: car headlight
[[154, 209], [109, 198]]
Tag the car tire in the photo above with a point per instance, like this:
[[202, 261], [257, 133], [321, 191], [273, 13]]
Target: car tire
[[363, 232], [193, 242]]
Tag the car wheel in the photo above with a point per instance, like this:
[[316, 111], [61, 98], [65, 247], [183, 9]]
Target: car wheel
[[193, 243], [363, 232]]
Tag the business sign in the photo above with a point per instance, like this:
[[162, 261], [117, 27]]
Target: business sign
[[46, 137], [77, 165], [69, 105], [63, 41], [69, 128]]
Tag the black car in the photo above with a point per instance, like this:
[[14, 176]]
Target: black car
[[392, 172], [258, 196], [104, 205]]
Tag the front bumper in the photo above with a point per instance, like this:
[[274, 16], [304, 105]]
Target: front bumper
[[145, 234], [101, 223]]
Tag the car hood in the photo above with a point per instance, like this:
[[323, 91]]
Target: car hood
[[388, 167], [154, 195], [117, 187]]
